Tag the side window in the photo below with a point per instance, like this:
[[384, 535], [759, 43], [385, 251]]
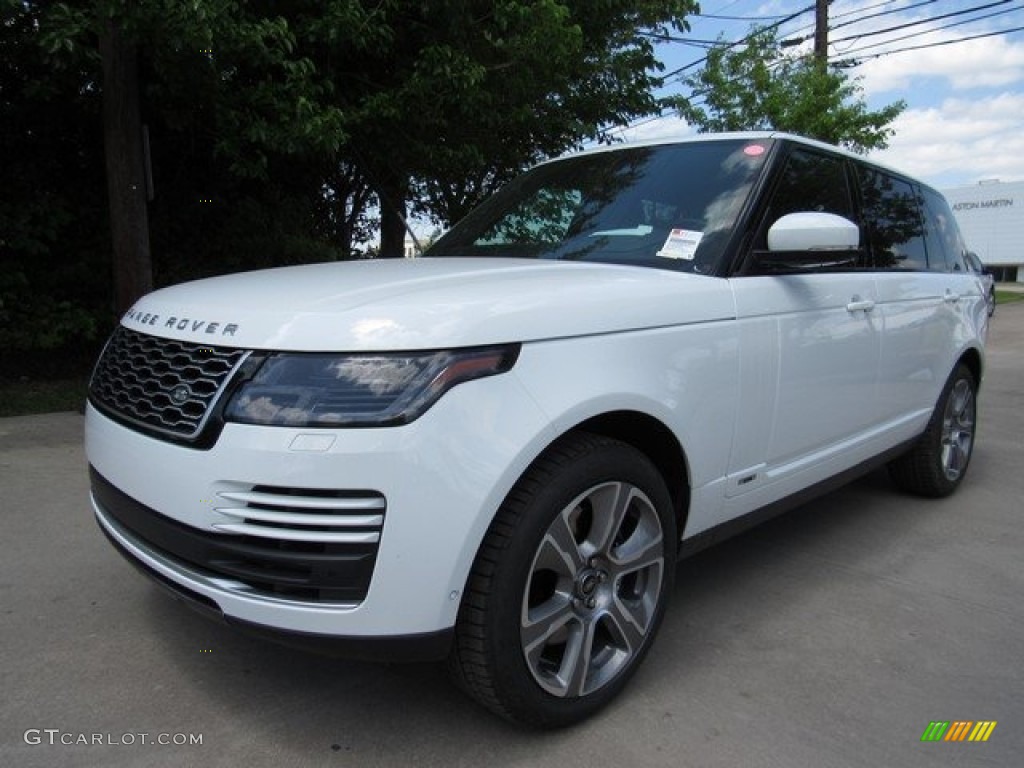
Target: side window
[[810, 182], [892, 213], [946, 247]]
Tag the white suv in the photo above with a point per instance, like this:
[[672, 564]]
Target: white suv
[[496, 454]]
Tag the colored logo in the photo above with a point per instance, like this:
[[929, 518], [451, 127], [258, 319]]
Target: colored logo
[[958, 730]]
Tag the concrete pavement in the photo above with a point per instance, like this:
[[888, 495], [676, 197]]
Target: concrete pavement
[[829, 637]]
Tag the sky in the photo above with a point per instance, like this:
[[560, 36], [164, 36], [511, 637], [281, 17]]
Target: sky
[[964, 121]]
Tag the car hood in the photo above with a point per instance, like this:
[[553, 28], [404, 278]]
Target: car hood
[[426, 304]]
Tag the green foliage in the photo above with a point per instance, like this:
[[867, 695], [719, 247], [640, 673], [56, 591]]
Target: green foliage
[[52, 276], [229, 69], [757, 87], [29, 321], [464, 95], [275, 127]]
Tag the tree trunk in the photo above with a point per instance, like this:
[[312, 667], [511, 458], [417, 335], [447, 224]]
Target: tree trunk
[[126, 174], [392, 194]]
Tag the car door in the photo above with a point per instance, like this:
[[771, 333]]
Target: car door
[[924, 295], [810, 345]]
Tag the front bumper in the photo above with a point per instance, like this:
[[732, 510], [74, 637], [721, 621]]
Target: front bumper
[[441, 478], [429, 646]]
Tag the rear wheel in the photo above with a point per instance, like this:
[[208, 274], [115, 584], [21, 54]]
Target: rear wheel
[[569, 586], [937, 463]]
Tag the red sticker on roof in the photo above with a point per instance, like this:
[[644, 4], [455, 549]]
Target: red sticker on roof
[[753, 150]]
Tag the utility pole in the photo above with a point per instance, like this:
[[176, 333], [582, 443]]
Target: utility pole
[[821, 33]]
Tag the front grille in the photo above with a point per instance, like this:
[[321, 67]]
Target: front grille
[[292, 543], [161, 384]]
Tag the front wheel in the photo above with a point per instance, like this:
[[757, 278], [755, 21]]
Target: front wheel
[[569, 586], [937, 462]]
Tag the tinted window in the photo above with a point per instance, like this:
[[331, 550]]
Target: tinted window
[[942, 235], [892, 216], [811, 182], [671, 207]]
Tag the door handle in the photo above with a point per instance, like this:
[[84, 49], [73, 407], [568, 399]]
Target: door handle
[[857, 304], [950, 297]]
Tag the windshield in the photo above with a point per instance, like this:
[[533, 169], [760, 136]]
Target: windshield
[[670, 207]]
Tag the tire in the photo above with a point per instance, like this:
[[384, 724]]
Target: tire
[[991, 301], [569, 586], [938, 461]]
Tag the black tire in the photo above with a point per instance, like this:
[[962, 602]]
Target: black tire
[[938, 461], [991, 301], [543, 584]]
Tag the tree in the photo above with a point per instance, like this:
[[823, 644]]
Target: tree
[[278, 132], [757, 87], [50, 201], [463, 94], [225, 76]]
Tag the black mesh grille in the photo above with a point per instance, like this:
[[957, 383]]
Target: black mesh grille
[[163, 384]]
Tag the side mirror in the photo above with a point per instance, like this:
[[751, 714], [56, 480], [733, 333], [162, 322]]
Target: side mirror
[[813, 231], [810, 241], [975, 260]]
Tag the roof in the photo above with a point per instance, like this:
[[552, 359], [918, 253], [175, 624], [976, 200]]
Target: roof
[[741, 136]]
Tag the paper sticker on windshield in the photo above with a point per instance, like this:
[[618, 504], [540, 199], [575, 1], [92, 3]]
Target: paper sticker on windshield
[[681, 244]]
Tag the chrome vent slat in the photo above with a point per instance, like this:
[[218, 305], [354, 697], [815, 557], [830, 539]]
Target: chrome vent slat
[[298, 519], [341, 504], [307, 515], [163, 384]]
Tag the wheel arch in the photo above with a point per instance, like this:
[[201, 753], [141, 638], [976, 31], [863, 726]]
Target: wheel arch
[[657, 442], [972, 359]]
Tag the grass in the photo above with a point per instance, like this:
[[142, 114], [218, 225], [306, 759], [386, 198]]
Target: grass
[[20, 398], [1006, 297]]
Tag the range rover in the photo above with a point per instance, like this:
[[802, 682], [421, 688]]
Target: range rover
[[495, 454]]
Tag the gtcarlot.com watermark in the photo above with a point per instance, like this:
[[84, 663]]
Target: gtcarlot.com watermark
[[55, 736]]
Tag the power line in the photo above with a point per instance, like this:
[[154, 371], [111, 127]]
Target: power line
[[676, 72], [861, 60], [736, 18], [665, 37], [797, 40], [930, 31], [891, 11], [798, 30], [848, 62], [923, 21]]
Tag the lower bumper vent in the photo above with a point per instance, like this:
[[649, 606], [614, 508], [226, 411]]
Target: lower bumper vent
[[304, 544]]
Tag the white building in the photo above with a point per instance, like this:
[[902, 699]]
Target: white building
[[991, 217]]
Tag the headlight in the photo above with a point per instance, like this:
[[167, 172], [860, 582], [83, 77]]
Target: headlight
[[358, 390]]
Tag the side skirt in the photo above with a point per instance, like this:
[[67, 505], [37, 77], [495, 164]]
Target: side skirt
[[730, 528]]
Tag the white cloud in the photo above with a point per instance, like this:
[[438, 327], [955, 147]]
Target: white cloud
[[961, 141], [987, 62]]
